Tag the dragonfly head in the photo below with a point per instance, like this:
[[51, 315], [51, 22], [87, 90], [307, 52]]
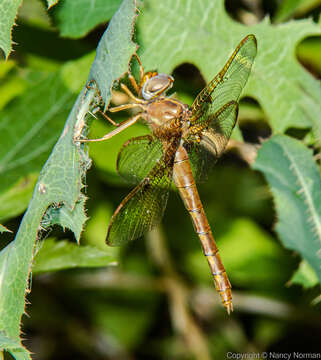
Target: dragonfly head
[[154, 84]]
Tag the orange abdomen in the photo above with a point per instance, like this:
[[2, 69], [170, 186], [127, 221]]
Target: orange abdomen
[[185, 183]]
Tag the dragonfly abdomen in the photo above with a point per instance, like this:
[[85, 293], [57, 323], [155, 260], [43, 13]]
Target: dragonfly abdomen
[[185, 183]]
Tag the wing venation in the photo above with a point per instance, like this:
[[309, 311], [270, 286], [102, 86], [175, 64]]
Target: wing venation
[[213, 140], [227, 85], [137, 157], [144, 206]]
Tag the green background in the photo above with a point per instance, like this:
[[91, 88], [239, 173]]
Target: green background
[[154, 298]]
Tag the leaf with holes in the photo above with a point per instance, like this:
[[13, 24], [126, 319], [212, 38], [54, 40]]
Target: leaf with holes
[[202, 33], [295, 183], [60, 180]]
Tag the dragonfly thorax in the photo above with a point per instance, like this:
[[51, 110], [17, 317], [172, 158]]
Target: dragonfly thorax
[[166, 114], [154, 85]]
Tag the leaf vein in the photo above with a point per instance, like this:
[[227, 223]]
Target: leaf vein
[[308, 198]]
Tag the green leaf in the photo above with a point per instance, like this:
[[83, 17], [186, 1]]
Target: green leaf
[[20, 354], [113, 49], [60, 180], [27, 143], [202, 33], [295, 184], [76, 18], [71, 219], [8, 13], [304, 276], [56, 255], [7, 343]]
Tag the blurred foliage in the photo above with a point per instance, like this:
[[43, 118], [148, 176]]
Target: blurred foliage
[[304, 276], [57, 255], [159, 301], [291, 8]]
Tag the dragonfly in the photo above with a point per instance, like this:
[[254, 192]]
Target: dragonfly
[[185, 141]]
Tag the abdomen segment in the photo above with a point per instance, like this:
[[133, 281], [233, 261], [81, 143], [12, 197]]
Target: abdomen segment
[[185, 183]]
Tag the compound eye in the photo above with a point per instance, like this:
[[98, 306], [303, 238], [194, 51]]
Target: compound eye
[[156, 85]]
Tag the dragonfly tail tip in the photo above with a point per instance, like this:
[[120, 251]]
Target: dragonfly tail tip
[[229, 308]]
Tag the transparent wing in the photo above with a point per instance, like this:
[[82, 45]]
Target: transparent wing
[[201, 160], [227, 84], [137, 157], [143, 207], [204, 153]]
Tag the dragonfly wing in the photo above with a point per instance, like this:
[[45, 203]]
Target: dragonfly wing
[[137, 157], [227, 84], [144, 207], [220, 126], [213, 140], [201, 160]]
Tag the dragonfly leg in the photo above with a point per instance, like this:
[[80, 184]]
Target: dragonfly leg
[[119, 108], [131, 95], [125, 107], [141, 74], [133, 81], [121, 127], [108, 118]]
